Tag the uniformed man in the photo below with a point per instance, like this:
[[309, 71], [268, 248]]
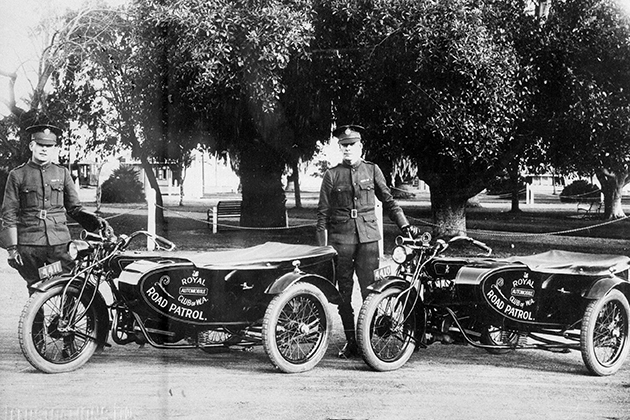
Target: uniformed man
[[346, 220], [37, 197]]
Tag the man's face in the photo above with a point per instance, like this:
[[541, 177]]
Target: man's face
[[41, 153], [351, 152]]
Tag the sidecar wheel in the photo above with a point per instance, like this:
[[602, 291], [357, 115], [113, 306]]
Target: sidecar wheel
[[386, 330], [44, 345], [604, 335], [296, 328]]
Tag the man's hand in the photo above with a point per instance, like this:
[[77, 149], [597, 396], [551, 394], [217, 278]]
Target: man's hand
[[411, 231], [15, 259], [104, 226]]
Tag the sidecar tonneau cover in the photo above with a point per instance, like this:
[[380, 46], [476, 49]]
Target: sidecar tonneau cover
[[566, 262], [260, 256]]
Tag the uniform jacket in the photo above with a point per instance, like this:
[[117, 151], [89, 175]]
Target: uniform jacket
[[36, 200], [346, 203]]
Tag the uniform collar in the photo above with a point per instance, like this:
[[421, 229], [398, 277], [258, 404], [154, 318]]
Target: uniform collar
[[35, 165], [355, 166]]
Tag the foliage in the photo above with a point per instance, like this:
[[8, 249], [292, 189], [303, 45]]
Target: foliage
[[433, 81], [503, 184], [586, 69], [579, 190], [123, 186], [236, 75]]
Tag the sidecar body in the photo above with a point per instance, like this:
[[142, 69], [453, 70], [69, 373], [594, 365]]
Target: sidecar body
[[548, 289], [222, 287], [275, 294], [556, 300]]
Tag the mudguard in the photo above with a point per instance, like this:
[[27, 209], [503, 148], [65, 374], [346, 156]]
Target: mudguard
[[99, 303], [602, 286], [389, 281], [285, 281]]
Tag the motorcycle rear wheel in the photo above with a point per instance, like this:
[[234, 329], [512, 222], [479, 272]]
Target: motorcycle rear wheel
[[604, 336], [44, 345], [296, 328], [386, 330]]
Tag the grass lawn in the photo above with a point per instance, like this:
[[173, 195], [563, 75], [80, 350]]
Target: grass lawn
[[548, 225]]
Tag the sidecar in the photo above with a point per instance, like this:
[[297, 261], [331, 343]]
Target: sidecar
[[273, 294], [578, 299]]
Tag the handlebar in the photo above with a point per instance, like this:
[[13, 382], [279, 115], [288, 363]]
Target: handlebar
[[123, 240], [441, 245], [159, 241]]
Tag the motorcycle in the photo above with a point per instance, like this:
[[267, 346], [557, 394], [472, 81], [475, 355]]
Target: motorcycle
[[557, 301], [274, 295]]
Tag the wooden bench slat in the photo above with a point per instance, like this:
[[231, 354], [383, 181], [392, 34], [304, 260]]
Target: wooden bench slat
[[224, 209]]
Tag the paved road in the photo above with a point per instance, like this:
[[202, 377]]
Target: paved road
[[441, 382]]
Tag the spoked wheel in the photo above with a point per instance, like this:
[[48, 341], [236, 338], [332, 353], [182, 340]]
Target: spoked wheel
[[604, 335], [296, 328], [50, 340], [386, 330], [496, 336]]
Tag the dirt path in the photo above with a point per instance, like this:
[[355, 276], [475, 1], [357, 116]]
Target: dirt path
[[441, 382]]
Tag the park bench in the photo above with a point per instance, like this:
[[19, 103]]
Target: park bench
[[589, 206], [228, 209]]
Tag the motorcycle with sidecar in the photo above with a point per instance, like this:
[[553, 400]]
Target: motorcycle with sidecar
[[274, 295], [557, 301]]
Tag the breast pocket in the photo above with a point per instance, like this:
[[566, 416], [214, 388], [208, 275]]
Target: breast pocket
[[342, 196], [56, 194], [367, 193], [28, 197]]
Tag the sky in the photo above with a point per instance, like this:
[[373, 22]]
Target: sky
[[20, 45]]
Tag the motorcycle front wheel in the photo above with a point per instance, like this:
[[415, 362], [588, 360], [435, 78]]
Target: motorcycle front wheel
[[604, 334], [46, 342], [386, 330], [296, 328]]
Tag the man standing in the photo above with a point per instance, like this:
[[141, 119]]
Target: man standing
[[346, 220], [37, 196]]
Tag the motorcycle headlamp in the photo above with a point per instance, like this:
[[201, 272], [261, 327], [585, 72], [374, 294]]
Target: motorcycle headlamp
[[76, 247], [399, 254]]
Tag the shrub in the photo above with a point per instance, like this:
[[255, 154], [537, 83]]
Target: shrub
[[123, 186], [579, 190]]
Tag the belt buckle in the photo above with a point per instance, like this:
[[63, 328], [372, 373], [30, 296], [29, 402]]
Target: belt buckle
[[42, 214], [353, 213]]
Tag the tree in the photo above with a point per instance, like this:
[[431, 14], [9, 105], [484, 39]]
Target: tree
[[242, 68], [431, 81], [587, 73]]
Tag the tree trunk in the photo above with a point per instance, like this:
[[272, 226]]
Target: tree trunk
[[612, 185], [514, 177], [159, 211], [181, 185], [264, 199], [296, 186], [449, 211]]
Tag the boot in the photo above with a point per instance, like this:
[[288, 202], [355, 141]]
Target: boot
[[350, 350]]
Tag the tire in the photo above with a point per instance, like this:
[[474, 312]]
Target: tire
[[604, 335], [386, 330], [44, 345], [296, 328], [496, 336]]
